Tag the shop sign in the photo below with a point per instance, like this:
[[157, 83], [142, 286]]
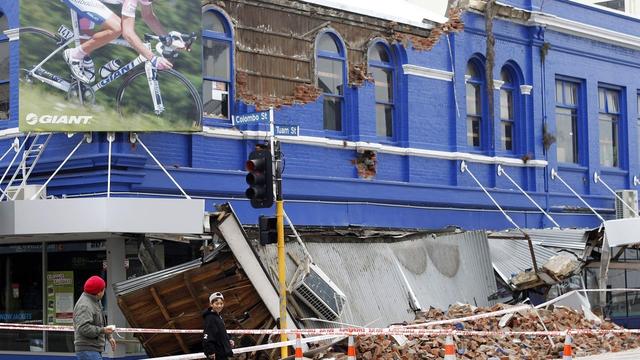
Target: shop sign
[[60, 297]]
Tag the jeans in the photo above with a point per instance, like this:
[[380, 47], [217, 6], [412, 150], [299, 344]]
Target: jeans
[[88, 355]]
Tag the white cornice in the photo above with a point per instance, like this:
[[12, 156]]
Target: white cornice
[[421, 71], [227, 133], [361, 145], [497, 84], [583, 30]]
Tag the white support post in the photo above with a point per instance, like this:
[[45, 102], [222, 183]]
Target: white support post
[[502, 172], [137, 138], [110, 137]]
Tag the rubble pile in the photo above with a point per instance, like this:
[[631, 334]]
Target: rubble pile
[[499, 347]]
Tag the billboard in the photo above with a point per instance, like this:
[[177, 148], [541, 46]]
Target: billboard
[[74, 77]]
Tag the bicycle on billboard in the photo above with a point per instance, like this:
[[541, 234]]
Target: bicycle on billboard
[[153, 94]]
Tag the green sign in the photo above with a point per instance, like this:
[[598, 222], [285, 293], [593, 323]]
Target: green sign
[[60, 297]]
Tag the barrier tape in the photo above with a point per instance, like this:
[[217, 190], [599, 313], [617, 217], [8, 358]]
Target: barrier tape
[[247, 349], [344, 331]]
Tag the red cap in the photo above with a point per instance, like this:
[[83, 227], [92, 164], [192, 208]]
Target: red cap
[[94, 285]]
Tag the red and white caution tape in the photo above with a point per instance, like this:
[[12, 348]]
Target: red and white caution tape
[[342, 331]]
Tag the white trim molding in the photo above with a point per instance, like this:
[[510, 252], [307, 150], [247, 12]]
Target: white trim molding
[[526, 89], [12, 34], [584, 30], [410, 69], [361, 145], [497, 84]]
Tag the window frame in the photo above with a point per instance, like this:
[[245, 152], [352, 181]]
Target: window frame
[[4, 39], [341, 57], [511, 88], [481, 115], [617, 123], [389, 67], [226, 38], [578, 125]]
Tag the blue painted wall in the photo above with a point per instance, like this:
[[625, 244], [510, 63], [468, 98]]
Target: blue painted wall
[[321, 184]]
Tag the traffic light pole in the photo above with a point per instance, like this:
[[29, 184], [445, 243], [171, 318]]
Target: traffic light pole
[[282, 269]]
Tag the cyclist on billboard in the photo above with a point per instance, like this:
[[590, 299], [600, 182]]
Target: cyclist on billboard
[[113, 27]]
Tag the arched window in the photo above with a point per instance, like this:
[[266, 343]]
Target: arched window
[[4, 69], [381, 67], [330, 74], [475, 98], [507, 110], [217, 62]]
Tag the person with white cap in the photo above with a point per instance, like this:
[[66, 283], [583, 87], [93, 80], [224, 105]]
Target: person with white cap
[[215, 340]]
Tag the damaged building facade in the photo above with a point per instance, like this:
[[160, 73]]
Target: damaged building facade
[[391, 106]]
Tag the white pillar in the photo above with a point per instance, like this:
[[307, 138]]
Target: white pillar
[[116, 272]]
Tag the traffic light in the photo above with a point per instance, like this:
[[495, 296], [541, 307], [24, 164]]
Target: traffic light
[[260, 179], [268, 231]]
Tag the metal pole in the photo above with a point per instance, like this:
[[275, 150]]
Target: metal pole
[[464, 168], [598, 179], [554, 175], [274, 147], [502, 172], [44, 186], [161, 167], [110, 138]]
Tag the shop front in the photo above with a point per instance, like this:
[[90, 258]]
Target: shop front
[[46, 262]]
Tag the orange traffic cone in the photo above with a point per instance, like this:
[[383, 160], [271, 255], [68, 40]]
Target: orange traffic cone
[[298, 346], [449, 349], [567, 354], [351, 349]]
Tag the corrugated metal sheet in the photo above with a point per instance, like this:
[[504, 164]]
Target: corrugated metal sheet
[[510, 252], [510, 257], [440, 270], [573, 239]]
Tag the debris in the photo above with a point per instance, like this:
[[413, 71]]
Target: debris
[[498, 347]]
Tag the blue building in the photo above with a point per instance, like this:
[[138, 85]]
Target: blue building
[[389, 110]]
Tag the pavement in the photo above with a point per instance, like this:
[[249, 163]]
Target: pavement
[[625, 355]]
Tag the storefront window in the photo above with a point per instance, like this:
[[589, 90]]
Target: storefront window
[[21, 295], [69, 265]]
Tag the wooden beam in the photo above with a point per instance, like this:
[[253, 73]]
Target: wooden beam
[[167, 317], [192, 292], [617, 265]]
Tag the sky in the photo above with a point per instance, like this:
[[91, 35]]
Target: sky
[[404, 11]]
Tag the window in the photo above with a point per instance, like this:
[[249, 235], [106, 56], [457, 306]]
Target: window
[[330, 72], [217, 50], [608, 121], [475, 99], [4, 69], [567, 105], [381, 67], [507, 110]]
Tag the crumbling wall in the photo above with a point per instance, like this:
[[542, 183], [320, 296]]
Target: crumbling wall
[[274, 44]]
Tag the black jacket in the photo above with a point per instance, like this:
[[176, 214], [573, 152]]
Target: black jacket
[[215, 339]]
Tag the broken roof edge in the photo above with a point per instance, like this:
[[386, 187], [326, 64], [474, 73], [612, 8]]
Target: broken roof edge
[[382, 11]]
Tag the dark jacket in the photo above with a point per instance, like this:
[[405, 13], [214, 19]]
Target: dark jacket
[[215, 339], [88, 323]]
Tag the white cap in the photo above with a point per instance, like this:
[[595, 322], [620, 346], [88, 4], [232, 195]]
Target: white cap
[[215, 296]]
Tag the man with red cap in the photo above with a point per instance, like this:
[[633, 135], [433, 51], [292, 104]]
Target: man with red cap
[[90, 332]]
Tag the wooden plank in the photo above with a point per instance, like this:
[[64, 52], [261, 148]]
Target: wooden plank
[[192, 292], [617, 265], [168, 318]]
